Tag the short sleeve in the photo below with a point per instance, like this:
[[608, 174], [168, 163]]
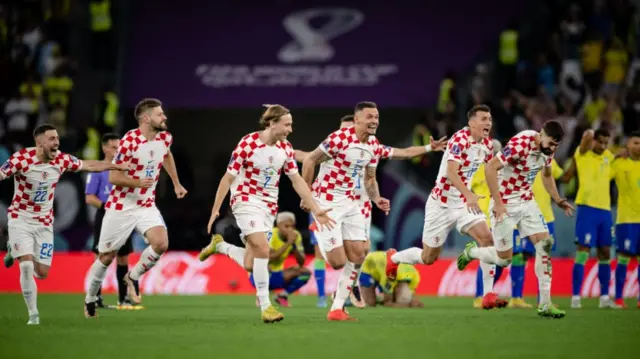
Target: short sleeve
[[490, 155], [556, 170], [238, 157], [93, 184], [516, 149], [167, 138], [69, 163], [334, 143], [123, 153], [13, 165], [290, 164], [456, 147], [386, 151]]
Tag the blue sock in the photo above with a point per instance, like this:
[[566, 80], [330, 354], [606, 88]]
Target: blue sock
[[297, 283], [479, 286], [621, 275], [517, 275], [497, 274], [604, 276], [578, 272], [318, 273]]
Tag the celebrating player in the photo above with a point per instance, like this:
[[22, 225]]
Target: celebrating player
[[253, 175], [594, 224], [131, 204], [627, 177], [513, 205], [347, 152], [96, 194], [396, 292], [36, 172], [466, 151]]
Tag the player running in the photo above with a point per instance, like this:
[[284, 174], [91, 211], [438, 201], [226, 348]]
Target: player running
[[347, 153], [96, 195], [396, 292], [36, 172], [594, 223], [253, 175], [445, 209], [627, 177], [131, 204], [513, 205]]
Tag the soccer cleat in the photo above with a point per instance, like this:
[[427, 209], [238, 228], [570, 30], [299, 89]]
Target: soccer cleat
[[271, 315], [477, 303], [491, 300], [391, 270], [519, 303], [575, 302], [90, 310], [339, 315], [134, 297], [282, 301], [464, 259], [606, 302], [356, 298], [8, 259], [619, 304], [550, 311], [99, 303], [34, 320], [322, 302], [210, 249]]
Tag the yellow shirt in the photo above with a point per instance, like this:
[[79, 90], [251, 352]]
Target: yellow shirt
[[591, 56], [543, 198], [375, 265], [594, 177], [627, 176], [277, 264], [480, 188], [616, 67]]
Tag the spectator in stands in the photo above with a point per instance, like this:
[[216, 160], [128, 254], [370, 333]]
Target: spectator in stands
[[101, 30], [592, 52]]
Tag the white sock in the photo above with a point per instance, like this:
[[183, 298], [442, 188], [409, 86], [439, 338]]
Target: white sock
[[488, 255], [488, 273], [29, 287], [408, 256], [343, 288], [261, 280], [97, 272], [234, 252], [543, 271], [148, 260]]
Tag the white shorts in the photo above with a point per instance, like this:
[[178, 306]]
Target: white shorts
[[526, 217], [253, 218], [367, 227], [27, 238], [350, 225], [440, 220], [117, 226]]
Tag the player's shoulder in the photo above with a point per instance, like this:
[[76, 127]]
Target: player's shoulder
[[285, 145], [344, 132], [164, 136], [27, 152], [462, 134], [526, 136]]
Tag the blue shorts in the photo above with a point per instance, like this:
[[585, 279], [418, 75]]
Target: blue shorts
[[594, 227], [367, 281], [276, 280], [628, 238], [524, 245], [314, 240]]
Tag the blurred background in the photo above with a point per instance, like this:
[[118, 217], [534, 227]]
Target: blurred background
[[83, 65]]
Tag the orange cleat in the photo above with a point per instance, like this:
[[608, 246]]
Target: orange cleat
[[491, 301], [339, 315]]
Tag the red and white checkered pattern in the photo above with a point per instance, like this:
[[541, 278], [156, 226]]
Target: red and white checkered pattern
[[470, 154], [338, 176], [145, 160], [257, 169], [35, 183], [360, 194], [522, 161]]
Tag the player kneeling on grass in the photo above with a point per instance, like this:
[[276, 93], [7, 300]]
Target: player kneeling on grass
[[396, 292], [285, 239]]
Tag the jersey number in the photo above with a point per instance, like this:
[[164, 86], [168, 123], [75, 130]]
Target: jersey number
[[45, 251], [266, 182], [358, 182], [472, 170], [40, 196]]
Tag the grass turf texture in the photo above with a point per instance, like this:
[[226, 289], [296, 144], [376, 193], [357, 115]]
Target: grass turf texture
[[230, 327]]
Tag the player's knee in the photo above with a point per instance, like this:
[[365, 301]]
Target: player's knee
[[336, 263], [429, 258], [604, 253], [304, 271], [122, 260], [107, 258]]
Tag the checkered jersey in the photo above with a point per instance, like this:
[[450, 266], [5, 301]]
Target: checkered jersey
[[257, 169], [35, 183], [339, 175], [522, 161], [145, 160], [360, 194], [462, 148]]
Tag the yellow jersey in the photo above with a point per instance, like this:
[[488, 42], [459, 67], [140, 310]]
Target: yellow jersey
[[480, 188], [543, 198], [375, 265], [277, 264], [627, 177], [616, 66], [594, 177]]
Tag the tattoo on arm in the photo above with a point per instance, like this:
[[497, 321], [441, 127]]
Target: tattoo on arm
[[318, 156], [370, 184]]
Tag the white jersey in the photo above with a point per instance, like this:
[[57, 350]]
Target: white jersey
[[257, 169], [360, 193]]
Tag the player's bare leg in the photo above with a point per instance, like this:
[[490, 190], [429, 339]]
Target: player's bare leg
[[351, 256], [543, 243], [158, 244], [427, 255], [482, 235], [29, 270]]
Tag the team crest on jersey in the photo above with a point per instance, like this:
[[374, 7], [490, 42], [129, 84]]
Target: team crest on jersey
[[151, 153], [252, 224], [437, 240], [44, 176], [455, 149], [333, 241], [361, 154], [270, 159]]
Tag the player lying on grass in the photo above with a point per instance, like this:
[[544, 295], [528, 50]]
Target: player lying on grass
[[396, 292]]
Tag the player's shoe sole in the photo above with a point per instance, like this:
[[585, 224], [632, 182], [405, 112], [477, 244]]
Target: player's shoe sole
[[210, 249], [464, 258], [134, 297], [356, 298]]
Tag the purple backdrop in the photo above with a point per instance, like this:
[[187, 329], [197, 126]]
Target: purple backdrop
[[194, 53]]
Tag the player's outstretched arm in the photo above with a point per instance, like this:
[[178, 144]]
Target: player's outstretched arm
[[310, 162], [221, 194], [414, 151], [100, 166], [300, 155], [373, 190], [118, 178], [169, 165], [550, 185]]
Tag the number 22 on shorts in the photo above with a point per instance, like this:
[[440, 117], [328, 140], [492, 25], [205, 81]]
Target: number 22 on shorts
[[45, 251]]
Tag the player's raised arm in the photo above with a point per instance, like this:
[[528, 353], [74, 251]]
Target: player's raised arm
[[586, 143], [414, 151], [169, 164]]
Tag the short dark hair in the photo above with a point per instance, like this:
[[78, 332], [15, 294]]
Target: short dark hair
[[602, 132], [145, 105], [347, 118], [477, 108], [109, 137], [635, 133], [554, 130], [42, 129], [365, 104]]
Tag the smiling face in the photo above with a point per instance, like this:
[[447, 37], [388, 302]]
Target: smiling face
[[48, 142], [282, 127], [367, 120]]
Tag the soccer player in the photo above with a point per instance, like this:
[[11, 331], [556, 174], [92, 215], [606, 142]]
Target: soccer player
[[36, 172], [253, 175], [347, 152], [627, 177], [396, 292], [131, 204], [96, 195], [510, 176], [594, 224], [445, 209], [285, 239]]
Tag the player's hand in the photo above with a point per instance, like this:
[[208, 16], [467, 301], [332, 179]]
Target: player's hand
[[323, 219], [180, 191], [214, 216], [472, 203], [438, 145], [499, 212], [304, 206], [120, 167], [384, 205], [146, 182], [564, 204], [291, 237]]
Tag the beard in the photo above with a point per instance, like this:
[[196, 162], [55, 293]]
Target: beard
[[159, 127], [546, 151]]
